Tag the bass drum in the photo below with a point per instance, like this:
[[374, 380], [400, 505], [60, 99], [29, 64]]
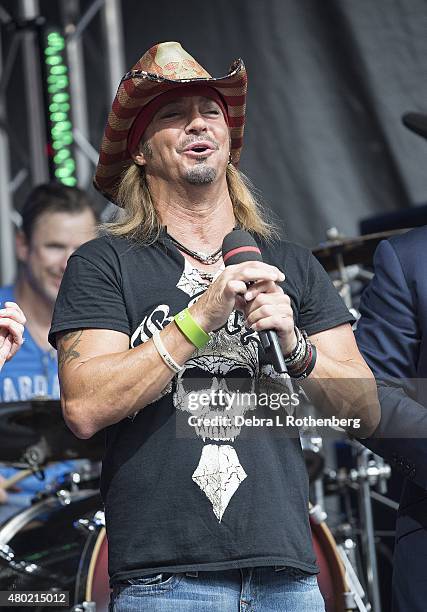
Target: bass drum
[[60, 544], [331, 578]]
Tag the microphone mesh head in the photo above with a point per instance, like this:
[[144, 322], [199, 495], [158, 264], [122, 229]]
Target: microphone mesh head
[[239, 246]]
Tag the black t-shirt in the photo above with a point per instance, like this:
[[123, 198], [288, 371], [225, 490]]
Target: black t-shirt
[[176, 503]]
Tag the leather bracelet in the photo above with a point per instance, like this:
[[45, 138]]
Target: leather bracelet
[[299, 354], [309, 368], [294, 353], [304, 363], [191, 329], [304, 357], [164, 354]]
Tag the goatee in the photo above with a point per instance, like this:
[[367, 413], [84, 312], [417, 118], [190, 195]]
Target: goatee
[[200, 175]]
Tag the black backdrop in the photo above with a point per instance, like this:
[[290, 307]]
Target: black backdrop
[[328, 83]]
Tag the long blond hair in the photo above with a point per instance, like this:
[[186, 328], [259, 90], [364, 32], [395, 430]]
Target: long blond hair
[[139, 220]]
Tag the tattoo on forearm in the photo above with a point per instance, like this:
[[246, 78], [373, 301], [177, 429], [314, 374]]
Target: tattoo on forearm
[[68, 353]]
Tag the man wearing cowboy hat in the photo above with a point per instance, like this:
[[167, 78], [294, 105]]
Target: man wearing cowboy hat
[[392, 336], [202, 518]]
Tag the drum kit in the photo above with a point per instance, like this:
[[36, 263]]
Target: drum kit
[[59, 542]]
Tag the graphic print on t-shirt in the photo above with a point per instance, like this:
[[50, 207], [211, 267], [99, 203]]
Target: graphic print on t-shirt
[[224, 360], [230, 355]]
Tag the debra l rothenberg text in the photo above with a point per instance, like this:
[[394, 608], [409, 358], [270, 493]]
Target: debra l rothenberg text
[[279, 420]]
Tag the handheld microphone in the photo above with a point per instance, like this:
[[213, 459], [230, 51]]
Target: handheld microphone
[[239, 246]]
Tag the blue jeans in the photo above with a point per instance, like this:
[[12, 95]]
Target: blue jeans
[[254, 589]]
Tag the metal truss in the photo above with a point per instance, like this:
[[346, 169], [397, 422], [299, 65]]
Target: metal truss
[[25, 34]]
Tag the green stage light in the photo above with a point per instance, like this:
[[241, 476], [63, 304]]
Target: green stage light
[[58, 116], [70, 181], [53, 60], [59, 69], [60, 97], [61, 156], [60, 125]]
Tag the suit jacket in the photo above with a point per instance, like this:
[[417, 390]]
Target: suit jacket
[[392, 336]]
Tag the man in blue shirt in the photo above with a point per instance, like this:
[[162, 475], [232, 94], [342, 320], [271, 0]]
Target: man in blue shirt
[[56, 220]]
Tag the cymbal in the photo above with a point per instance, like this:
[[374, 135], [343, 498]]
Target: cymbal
[[34, 432], [359, 250]]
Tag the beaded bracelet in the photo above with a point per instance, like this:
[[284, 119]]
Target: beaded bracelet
[[310, 366], [293, 354], [300, 363], [300, 351]]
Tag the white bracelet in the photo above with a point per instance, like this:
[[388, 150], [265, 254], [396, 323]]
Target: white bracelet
[[169, 361]]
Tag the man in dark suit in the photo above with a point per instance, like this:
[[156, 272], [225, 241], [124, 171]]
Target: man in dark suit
[[392, 336]]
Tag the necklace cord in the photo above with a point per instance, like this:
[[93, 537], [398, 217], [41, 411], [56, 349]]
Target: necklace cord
[[202, 257]]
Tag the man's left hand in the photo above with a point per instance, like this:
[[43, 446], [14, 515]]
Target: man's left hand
[[266, 306], [12, 321]]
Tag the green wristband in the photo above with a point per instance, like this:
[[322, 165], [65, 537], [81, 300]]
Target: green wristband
[[191, 330]]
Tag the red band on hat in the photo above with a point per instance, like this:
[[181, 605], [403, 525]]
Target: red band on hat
[[149, 110]]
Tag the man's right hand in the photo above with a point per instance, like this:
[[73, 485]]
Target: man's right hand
[[12, 321], [226, 293]]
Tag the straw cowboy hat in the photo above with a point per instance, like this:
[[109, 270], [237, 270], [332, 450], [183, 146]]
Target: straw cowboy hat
[[417, 122], [161, 70]]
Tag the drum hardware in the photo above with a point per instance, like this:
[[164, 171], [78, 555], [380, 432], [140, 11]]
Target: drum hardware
[[375, 473], [84, 525], [347, 258], [317, 514], [345, 289], [313, 455], [35, 432], [87, 476], [317, 495], [357, 273], [35, 456], [384, 500], [9, 529], [91, 580], [7, 554], [86, 606], [355, 598], [81, 554], [359, 250], [345, 282], [64, 497], [371, 472], [331, 578], [98, 520], [72, 559], [347, 547]]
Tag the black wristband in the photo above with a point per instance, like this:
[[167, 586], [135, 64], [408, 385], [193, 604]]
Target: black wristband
[[310, 367]]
